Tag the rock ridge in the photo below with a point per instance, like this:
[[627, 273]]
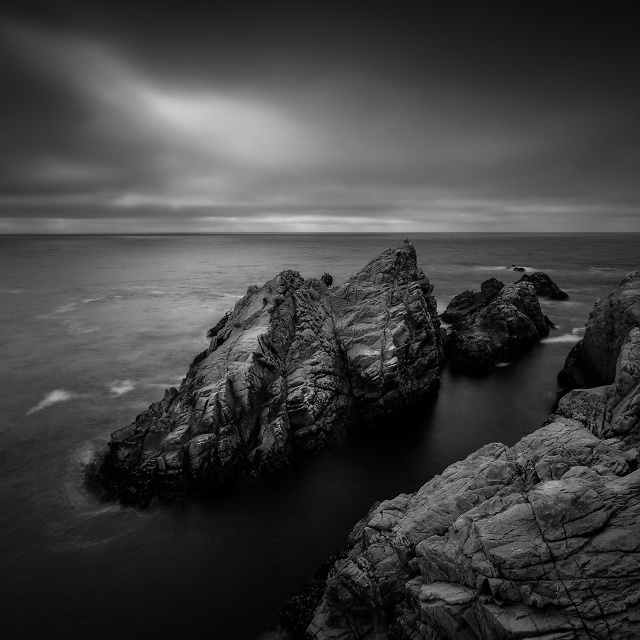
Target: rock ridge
[[289, 369]]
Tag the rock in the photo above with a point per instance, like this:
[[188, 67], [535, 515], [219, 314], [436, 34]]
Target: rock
[[538, 540], [327, 278], [499, 324], [593, 360], [515, 267], [288, 370], [544, 285], [611, 409], [468, 302]]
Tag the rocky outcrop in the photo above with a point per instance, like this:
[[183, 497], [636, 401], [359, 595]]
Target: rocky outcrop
[[540, 540], [544, 285], [608, 356], [469, 302], [593, 360], [288, 371], [484, 333]]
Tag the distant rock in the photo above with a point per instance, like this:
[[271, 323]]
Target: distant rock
[[539, 540], [515, 267], [468, 302], [544, 285], [288, 370], [497, 324]]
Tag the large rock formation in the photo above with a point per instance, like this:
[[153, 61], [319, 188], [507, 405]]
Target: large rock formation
[[544, 285], [540, 540], [497, 324], [288, 370]]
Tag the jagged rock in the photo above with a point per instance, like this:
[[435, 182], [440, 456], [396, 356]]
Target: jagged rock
[[515, 267], [468, 302], [592, 361], [509, 324], [609, 356], [540, 540], [544, 285], [288, 370]]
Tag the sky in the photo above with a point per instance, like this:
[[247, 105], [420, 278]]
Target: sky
[[308, 116]]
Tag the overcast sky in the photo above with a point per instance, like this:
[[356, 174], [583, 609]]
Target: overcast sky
[[312, 117]]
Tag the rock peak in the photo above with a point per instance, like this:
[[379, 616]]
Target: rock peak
[[289, 369]]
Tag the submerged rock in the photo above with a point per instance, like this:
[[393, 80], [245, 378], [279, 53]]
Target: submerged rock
[[544, 285], [288, 370], [498, 324], [538, 540]]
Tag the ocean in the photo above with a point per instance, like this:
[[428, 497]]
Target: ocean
[[94, 328]]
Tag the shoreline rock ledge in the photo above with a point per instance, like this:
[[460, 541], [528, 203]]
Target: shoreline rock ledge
[[539, 540], [289, 369]]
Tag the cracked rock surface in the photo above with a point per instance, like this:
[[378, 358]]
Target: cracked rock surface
[[497, 324], [288, 370], [539, 540]]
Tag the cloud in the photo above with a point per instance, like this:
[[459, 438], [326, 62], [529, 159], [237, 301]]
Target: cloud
[[140, 134]]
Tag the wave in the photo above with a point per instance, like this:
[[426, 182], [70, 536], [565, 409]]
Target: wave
[[66, 308], [53, 397], [502, 364], [88, 300], [578, 331], [505, 268], [119, 387], [565, 337], [10, 291], [76, 327], [606, 270]]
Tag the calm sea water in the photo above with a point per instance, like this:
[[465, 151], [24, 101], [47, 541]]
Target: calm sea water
[[92, 331]]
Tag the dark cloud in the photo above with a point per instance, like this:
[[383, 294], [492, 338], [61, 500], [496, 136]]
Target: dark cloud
[[299, 116]]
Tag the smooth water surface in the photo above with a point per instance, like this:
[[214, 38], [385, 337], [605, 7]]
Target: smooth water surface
[[93, 329]]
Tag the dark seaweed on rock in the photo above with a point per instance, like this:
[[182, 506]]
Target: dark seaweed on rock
[[288, 371]]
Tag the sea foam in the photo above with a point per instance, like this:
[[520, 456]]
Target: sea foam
[[565, 337], [53, 397], [119, 387]]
